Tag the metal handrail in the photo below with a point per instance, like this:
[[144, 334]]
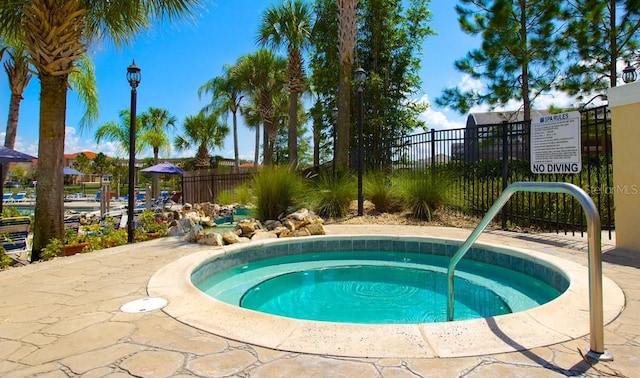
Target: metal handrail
[[596, 322]]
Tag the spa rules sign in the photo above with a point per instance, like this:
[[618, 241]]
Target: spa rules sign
[[555, 144]]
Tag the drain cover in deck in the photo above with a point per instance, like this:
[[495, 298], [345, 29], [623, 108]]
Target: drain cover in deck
[[144, 305]]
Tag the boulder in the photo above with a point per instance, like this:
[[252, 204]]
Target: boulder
[[280, 230], [293, 224], [315, 229], [248, 227], [260, 234], [301, 232], [299, 215], [212, 239], [230, 237]]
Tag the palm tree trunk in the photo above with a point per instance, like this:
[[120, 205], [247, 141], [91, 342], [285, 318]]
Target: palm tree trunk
[[256, 155], [267, 146], [348, 27], [343, 122], [293, 130], [12, 129], [12, 121], [155, 177], [236, 152], [49, 190]]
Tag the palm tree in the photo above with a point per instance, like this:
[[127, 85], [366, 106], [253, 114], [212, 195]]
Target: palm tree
[[55, 33], [263, 72], [346, 47], [252, 119], [19, 76], [227, 95], [153, 124], [203, 132], [289, 25], [118, 132], [83, 80], [17, 69]]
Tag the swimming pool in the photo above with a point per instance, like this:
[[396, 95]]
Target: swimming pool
[[379, 287], [562, 319]]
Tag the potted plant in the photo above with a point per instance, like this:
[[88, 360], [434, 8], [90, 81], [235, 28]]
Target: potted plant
[[74, 242], [150, 225]]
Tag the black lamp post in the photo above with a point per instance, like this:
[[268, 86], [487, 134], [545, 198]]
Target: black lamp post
[[360, 77], [133, 76], [629, 74], [334, 119]]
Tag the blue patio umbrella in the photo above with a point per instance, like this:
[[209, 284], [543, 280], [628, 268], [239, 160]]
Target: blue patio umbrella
[[71, 171], [164, 168], [8, 155]]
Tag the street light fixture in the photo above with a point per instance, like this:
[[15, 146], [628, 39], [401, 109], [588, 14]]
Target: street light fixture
[[629, 74], [360, 76], [334, 119], [133, 77]]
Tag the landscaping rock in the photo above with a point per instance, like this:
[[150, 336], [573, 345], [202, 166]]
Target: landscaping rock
[[299, 215], [315, 229], [301, 232], [230, 237], [262, 234], [213, 239], [248, 227]]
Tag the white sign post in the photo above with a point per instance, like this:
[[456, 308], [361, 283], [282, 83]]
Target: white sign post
[[555, 144]]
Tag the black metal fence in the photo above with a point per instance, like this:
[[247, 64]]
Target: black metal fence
[[207, 186], [483, 160]]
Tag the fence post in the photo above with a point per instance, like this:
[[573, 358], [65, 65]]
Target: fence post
[[505, 169], [433, 146]]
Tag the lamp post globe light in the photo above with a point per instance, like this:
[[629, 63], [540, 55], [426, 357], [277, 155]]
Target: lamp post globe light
[[360, 76], [629, 74], [133, 77]]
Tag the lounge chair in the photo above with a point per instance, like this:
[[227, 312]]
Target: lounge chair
[[72, 223], [176, 197], [140, 196], [7, 197], [20, 197], [13, 234]]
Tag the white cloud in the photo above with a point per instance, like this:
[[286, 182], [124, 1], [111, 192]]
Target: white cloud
[[440, 120], [547, 99], [467, 83]]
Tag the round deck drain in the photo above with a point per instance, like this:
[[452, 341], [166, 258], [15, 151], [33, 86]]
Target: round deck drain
[[144, 305]]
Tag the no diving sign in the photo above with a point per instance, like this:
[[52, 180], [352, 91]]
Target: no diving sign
[[555, 143]]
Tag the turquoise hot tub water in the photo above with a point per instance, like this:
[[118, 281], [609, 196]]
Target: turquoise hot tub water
[[377, 281]]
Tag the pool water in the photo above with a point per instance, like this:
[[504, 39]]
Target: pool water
[[379, 287]]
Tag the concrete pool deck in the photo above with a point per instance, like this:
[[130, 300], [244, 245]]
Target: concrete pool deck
[[62, 318]]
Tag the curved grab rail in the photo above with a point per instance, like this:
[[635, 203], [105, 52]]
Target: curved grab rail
[[596, 322]]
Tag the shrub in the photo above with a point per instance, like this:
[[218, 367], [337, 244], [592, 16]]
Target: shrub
[[243, 194], [382, 192], [149, 224], [330, 197], [54, 248], [277, 192], [225, 198], [424, 192], [5, 260]]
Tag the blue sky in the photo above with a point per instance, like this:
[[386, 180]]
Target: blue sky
[[177, 59]]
